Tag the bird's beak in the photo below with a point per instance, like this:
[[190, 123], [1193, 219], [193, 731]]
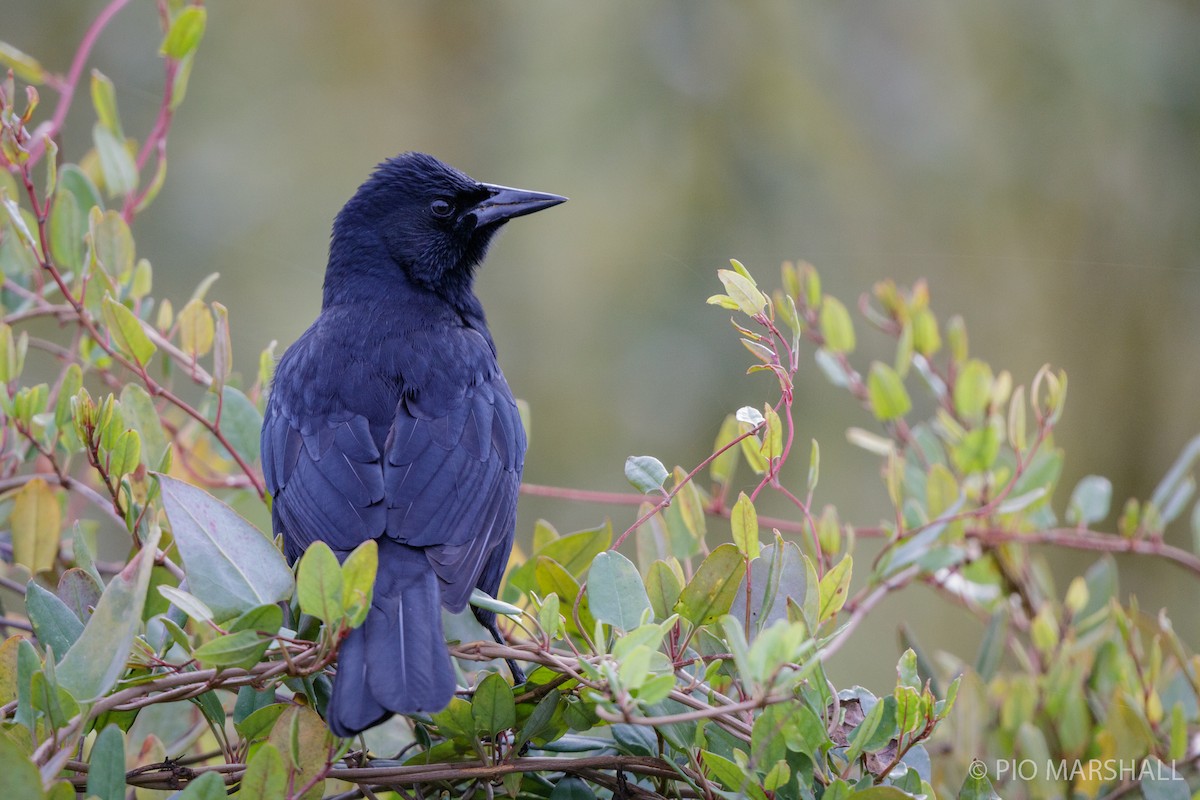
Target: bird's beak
[[503, 203]]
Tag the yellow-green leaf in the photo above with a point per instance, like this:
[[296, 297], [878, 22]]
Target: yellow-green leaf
[[711, 591], [835, 586], [772, 435], [743, 292], [744, 520], [319, 583], [358, 582], [836, 326], [972, 389], [185, 33], [723, 466], [24, 66], [126, 332], [196, 328], [36, 521], [926, 338], [885, 389], [104, 98]]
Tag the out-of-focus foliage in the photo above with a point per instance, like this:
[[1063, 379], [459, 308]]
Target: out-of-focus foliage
[[664, 661]]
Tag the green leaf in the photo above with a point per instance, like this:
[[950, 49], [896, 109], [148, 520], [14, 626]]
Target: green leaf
[[116, 164], [11, 359], [67, 228], [972, 389], [549, 617], [55, 702], [241, 423], [241, 649], [742, 291], [25, 67], [885, 390], [836, 326], [646, 473], [179, 88], [492, 708], [1090, 501], [481, 599], [358, 582], [303, 740], [126, 332], [139, 413], [259, 722], [722, 468], [36, 522], [814, 466], [112, 243], [104, 99], [688, 505], [222, 347], [74, 180], [926, 339], [54, 624], [264, 620], [744, 520], [1159, 781], [188, 603], [731, 776], [196, 328], [142, 281], [229, 564], [21, 777], [864, 734], [978, 450], [710, 592], [209, 786], [977, 786], [663, 589], [455, 721], [615, 591], [185, 33], [906, 670], [106, 765], [772, 435], [544, 723], [835, 587], [125, 455], [265, 775], [569, 787], [573, 552], [80, 591], [319, 583], [98, 658], [552, 578]]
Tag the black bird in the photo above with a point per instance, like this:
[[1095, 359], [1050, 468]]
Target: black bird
[[389, 419]]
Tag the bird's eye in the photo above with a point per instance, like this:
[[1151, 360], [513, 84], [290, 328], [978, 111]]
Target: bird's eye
[[441, 208]]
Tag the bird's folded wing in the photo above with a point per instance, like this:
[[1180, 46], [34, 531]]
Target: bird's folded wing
[[326, 479], [451, 481]]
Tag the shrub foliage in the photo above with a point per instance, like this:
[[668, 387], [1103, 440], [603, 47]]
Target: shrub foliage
[[662, 661]]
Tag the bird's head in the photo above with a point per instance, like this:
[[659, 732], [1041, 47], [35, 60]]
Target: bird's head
[[434, 221]]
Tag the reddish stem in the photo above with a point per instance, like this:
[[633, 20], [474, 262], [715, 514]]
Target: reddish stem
[[66, 88]]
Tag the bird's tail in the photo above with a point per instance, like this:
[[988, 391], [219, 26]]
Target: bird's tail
[[396, 662]]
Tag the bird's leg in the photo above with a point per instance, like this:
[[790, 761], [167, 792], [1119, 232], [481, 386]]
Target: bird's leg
[[488, 620]]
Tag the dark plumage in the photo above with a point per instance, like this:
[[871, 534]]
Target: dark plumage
[[389, 419]]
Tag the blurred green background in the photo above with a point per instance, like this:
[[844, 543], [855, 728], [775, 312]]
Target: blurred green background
[[1038, 162]]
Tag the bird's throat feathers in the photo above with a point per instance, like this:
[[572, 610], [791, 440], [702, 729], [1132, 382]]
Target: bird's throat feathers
[[361, 270]]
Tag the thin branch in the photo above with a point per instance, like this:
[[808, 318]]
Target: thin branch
[[66, 87], [1091, 540]]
